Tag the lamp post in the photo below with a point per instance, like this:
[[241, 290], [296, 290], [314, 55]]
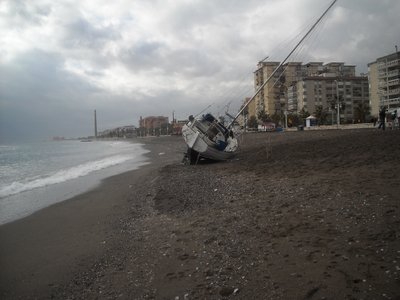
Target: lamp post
[[337, 104], [285, 112]]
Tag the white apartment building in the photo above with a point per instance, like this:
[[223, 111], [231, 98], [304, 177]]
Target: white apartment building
[[351, 94], [384, 80]]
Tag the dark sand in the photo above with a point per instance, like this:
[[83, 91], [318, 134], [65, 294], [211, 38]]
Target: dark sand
[[296, 215]]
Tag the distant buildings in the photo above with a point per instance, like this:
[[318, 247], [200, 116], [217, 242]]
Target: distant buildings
[[312, 88], [384, 80], [154, 125], [119, 132], [153, 122], [58, 138], [177, 126], [148, 126]]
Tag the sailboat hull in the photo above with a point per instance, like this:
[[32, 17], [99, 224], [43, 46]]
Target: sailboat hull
[[200, 142]]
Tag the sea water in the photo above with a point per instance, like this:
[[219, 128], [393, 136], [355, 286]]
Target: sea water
[[37, 174]]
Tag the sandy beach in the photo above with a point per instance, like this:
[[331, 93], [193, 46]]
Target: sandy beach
[[296, 215]]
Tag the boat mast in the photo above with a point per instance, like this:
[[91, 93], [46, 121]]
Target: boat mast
[[280, 65]]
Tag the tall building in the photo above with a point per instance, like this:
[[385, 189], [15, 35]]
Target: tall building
[[251, 111], [268, 99], [373, 88], [384, 79], [273, 97]]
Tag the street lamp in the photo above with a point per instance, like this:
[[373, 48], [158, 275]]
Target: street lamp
[[285, 113], [337, 104]]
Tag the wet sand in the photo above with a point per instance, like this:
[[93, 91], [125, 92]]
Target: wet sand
[[296, 215]]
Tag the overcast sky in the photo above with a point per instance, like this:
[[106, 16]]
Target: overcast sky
[[60, 60]]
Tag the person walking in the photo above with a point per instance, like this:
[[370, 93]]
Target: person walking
[[382, 117]]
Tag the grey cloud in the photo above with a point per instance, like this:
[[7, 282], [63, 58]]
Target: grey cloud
[[37, 95], [24, 14], [144, 55], [39, 99], [37, 75], [81, 33], [191, 63]]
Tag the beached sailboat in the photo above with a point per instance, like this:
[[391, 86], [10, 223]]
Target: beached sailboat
[[206, 137]]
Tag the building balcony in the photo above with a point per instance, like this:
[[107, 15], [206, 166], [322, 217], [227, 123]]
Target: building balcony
[[394, 82], [394, 92], [384, 75], [393, 63], [383, 84], [393, 73], [388, 64], [391, 102]]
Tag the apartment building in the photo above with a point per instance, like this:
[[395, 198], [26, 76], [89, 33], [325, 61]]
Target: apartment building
[[251, 111], [268, 99], [297, 86], [351, 94], [384, 80], [273, 97]]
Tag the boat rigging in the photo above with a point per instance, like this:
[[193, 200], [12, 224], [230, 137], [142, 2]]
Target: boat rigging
[[206, 137]]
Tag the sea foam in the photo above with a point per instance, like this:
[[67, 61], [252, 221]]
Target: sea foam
[[62, 175]]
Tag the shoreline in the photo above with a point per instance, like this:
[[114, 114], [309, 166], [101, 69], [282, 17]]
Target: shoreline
[[44, 249], [296, 215], [14, 206]]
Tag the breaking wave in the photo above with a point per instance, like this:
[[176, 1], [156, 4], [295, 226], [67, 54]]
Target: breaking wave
[[62, 175]]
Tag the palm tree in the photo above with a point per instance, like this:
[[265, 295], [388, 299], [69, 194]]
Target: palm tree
[[320, 114], [252, 123], [293, 119], [303, 114], [263, 116], [361, 111]]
